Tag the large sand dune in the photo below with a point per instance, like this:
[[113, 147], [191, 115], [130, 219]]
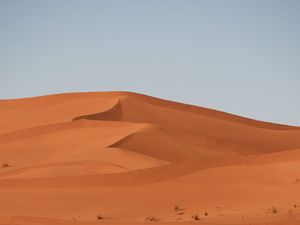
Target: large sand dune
[[127, 158]]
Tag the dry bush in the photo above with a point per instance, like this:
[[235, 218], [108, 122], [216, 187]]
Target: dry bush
[[5, 165], [100, 217], [178, 210], [274, 210], [196, 217], [152, 219]]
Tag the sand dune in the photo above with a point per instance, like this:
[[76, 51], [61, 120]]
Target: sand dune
[[124, 158]]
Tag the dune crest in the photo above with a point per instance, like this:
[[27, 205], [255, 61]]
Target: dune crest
[[112, 114]]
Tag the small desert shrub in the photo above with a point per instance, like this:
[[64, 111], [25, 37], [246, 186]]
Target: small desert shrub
[[274, 210], [178, 210], [5, 165], [196, 217], [205, 214], [152, 219], [100, 217]]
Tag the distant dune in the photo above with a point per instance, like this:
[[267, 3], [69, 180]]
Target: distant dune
[[128, 158]]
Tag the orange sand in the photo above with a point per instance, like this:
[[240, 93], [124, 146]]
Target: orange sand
[[68, 158]]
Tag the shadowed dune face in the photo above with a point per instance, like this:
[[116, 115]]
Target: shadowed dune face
[[112, 114], [96, 152]]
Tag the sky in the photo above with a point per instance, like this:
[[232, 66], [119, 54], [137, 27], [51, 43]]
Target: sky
[[237, 56]]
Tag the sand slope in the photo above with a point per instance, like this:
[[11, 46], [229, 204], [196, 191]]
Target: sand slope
[[132, 158]]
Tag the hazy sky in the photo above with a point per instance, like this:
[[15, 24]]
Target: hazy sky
[[238, 56]]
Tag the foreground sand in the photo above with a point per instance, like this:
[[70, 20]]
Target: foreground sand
[[126, 158]]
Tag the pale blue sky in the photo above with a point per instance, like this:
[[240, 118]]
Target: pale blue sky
[[238, 56]]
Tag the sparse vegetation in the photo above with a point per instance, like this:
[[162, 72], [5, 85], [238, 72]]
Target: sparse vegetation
[[178, 210], [196, 217], [5, 165], [274, 210], [152, 219], [100, 217], [205, 214]]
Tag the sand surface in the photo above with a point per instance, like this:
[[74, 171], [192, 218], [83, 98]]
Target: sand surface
[[126, 158]]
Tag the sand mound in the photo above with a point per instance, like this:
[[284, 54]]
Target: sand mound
[[132, 158]]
